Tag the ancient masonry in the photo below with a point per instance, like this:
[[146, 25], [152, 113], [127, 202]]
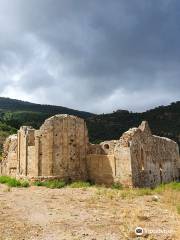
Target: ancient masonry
[[60, 149]]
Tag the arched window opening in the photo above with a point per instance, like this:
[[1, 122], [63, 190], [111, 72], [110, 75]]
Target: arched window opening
[[106, 146]]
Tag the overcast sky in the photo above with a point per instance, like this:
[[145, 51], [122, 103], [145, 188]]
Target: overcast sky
[[93, 55]]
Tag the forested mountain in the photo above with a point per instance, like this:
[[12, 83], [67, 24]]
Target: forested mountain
[[15, 113], [8, 104], [163, 120]]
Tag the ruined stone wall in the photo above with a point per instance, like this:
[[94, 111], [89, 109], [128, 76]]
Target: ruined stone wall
[[57, 149], [101, 163], [137, 159], [123, 170], [26, 151], [154, 159], [61, 149], [61, 145], [109, 162], [9, 161]]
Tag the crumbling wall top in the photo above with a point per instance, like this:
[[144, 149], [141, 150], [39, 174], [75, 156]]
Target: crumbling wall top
[[10, 145], [49, 122], [144, 127], [127, 137], [61, 116]]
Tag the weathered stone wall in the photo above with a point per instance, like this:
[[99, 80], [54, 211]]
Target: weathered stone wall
[[101, 163], [154, 159], [25, 152], [109, 162], [123, 170], [101, 168], [61, 146], [31, 168], [61, 149], [9, 162], [137, 159]]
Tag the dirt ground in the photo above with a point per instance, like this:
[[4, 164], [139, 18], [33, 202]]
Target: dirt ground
[[90, 214]]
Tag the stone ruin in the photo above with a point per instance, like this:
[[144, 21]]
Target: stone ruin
[[60, 149]]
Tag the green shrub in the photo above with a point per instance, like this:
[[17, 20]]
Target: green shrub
[[55, 184], [51, 183], [24, 184], [38, 183], [4, 179], [80, 184], [61, 184], [117, 186], [12, 182]]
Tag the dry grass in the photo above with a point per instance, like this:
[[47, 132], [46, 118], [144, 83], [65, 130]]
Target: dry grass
[[12, 182], [169, 194]]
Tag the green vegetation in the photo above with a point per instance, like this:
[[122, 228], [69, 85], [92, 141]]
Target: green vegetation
[[51, 183], [12, 182], [173, 186], [13, 105], [61, 184], [113, 192], [169, 186], [24, 184], [143, 191], [117, 186]]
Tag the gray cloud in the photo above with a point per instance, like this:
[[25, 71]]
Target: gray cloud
[[94, 55]]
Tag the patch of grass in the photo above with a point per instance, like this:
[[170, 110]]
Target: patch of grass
[[4, 179], [79, 184], [38, 183], [61, 184], [159, 189], [143, 191], [173, 186], [103, 192], [25, 184], [55, 184], [13, 182], [117, 186], [51, 183], [125, 194]]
